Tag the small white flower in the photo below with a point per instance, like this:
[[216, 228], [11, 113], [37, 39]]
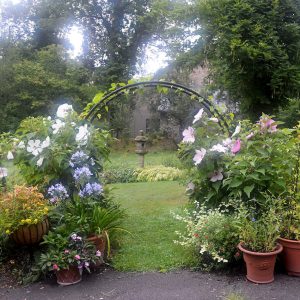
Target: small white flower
[[34, 147], [57, 126], [215, 120], [199, 156], [40, 161], [82, 135], [64, 110], [188, 135], [227, 142], [219, 148], [49, 118], [46, 143], [21, 145], [237, 130], [3, 172], [10, 155], [198, 116]]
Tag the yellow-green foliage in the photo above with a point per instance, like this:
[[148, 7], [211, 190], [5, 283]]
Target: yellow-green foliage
[[158, 173]]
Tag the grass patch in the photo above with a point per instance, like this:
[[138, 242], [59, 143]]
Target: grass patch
[[130, 159], [151, 247]]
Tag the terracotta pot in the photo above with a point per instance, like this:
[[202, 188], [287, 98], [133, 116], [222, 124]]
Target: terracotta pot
[[27, 235], [291, 256], [68, 276], [99, 241], [260, 266]]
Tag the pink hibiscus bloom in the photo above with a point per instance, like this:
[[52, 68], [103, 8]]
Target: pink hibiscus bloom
[[199, 156], [236, 147], [217, 175], [188, 135]]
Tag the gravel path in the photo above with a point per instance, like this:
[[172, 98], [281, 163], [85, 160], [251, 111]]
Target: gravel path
[[112, 285]]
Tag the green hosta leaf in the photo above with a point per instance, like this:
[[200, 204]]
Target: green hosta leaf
[[248, 189]]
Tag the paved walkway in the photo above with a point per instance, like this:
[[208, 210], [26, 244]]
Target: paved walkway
[[187, 285]]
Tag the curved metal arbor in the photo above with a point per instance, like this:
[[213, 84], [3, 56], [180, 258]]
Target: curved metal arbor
[[208, 105]]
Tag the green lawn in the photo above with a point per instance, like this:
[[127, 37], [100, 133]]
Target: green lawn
[[151, 247], [154, 158]]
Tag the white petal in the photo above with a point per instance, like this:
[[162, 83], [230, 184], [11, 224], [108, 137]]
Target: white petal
[[10, 155], [40, 161]]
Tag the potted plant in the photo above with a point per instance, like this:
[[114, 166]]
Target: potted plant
[[24, 215], [258, 236], [67, 256], [290, 234]]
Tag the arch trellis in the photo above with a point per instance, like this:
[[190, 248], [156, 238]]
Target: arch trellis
[[208, 105]]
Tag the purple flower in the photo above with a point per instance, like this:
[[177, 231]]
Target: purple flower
[[98, 253], [78, 159], [82, 174], [188, 135], [57, 192], [250, 135], [90, 190]]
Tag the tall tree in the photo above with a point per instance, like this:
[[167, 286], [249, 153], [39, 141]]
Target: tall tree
[[252, 47]]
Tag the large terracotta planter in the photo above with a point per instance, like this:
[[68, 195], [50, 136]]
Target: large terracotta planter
[[28, 235], [260, 266], [68, 276], [99, 241], [291, 256]]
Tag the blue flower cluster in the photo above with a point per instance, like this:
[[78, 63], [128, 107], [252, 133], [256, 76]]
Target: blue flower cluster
[[82, 174], [80, 158], [91, 190], [57, 192]]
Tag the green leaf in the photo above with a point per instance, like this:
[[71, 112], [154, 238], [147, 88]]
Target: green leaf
[[235, 183], [248, 189]]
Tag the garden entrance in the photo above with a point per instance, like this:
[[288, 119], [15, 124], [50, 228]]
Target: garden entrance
[[147, 198]]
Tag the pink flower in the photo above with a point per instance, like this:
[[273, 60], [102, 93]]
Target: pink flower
[[77, 256], [55, 267], [98, 253], [86, 264], [188, 135], [249, 136], [67, 251], [198, 116], [199, 156], [227, 142], [266, 122], [236, 147], [217, 175]]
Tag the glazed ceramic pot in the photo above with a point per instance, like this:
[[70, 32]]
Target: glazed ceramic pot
[[260, 266]]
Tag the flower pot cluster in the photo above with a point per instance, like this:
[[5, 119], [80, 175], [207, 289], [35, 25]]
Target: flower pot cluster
[[244, 182], [63, 206]]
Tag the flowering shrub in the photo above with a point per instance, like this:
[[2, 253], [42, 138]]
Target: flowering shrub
[[63, 252], [212, 233], [255, 159], [23, 206], [50, 150]]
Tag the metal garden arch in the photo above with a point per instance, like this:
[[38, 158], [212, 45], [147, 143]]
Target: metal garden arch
[[208, 105]]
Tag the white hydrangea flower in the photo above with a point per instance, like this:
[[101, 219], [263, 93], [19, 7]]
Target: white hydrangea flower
[[82, 135], [57, 126], [64, 110], [34, 147], [46, 142]]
